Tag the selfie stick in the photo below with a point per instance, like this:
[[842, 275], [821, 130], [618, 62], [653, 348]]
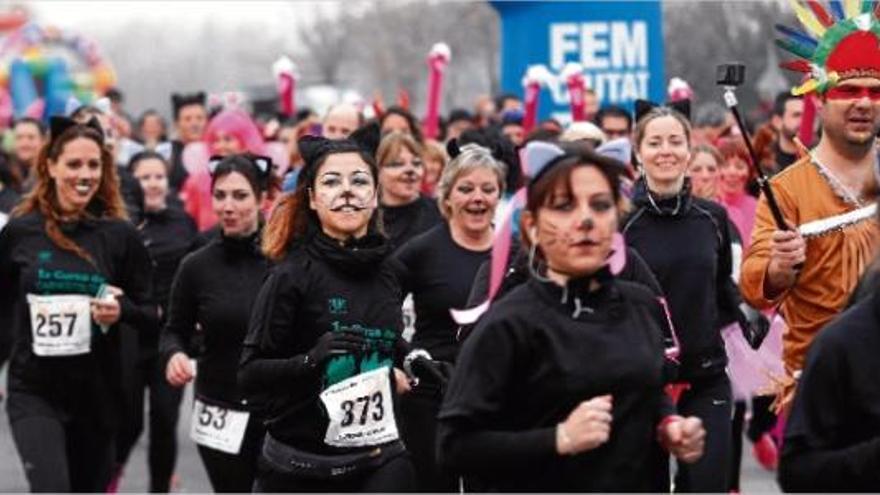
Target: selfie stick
[[763, 181]]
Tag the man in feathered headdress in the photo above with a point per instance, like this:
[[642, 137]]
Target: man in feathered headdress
[[828, 198]]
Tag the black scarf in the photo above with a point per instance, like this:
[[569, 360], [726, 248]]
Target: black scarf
[[357, 256]]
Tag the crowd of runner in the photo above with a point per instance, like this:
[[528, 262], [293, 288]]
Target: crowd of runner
[[504, 307]]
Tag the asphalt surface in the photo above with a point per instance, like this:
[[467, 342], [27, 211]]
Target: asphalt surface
[[192, 478]]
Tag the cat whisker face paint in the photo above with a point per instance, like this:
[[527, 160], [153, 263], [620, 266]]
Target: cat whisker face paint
[[344, 196]]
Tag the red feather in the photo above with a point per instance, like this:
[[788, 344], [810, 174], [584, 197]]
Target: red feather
[[403, 98], [797, 66], [821, 14]]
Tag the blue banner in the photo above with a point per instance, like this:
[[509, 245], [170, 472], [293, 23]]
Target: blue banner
[[619, 44]]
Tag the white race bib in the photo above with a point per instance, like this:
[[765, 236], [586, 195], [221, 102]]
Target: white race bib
[[218, 427], [361, 411], [61, 325]]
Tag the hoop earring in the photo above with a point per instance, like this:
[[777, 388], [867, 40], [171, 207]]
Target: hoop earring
[[533, 268]]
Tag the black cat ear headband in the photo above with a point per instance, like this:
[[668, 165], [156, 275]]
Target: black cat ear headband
[[59, 125], [642, 107], [453, 150]]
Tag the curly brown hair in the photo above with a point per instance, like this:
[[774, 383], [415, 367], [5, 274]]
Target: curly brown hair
[[105, 204]]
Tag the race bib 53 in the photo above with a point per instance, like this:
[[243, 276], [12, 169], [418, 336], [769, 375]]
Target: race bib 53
[[218, 427]]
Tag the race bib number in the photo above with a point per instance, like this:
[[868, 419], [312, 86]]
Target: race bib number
[[217, 427], [61, 325], [361, 411], [409, 318]]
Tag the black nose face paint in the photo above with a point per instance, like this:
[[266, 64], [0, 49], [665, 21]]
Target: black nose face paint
[[587, 224]]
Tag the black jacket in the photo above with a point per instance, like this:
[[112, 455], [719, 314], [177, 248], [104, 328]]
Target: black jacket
[[533, 357], [214, 288], [167, 235], [686, 242], [321, 286], [832, 438]]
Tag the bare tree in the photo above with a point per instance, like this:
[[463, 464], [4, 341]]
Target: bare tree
[[726, 31], [326, 43]]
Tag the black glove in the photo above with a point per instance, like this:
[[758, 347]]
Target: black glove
[[420, 366], [754, 325], [334, 344]]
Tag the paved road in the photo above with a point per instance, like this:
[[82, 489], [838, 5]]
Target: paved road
[[192, 474]]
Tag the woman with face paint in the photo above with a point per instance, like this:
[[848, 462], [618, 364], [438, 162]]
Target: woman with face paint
[[72, 269], [213, 291], [406, 212], [687, 243], [167, 232], [560, 385], [439, 269], [325, 333]]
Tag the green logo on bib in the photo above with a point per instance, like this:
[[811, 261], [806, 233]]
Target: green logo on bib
[[338, 306], [44, 256]]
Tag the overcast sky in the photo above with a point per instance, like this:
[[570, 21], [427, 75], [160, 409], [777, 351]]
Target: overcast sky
[[101, 14]]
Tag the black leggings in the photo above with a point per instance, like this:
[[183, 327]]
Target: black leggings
[[60, 452], [736, 445], [164, 412], [235, 473], [763, 419], [418, 430], [395, 476], [762, 422], [709, 399]]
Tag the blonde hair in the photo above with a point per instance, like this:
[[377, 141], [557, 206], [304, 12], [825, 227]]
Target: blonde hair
[[472, 156], [391, 145], [434, 151]]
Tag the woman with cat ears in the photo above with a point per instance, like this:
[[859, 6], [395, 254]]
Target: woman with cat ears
[[686, 241], [560, 385], [72, 270], [214, 289], [324, 349]]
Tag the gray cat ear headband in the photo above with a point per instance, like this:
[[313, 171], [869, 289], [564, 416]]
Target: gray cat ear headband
[[539, 156]]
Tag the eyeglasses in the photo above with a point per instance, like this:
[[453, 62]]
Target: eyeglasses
[[851, 92]]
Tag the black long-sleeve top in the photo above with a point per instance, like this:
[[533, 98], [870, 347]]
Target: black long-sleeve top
[[30, 263], [533, 357], [404, 222], [8, 199], [178, 173], [167, 235], [321, 286], [832, 438], [686, 242], [215, 288], [440, 274]]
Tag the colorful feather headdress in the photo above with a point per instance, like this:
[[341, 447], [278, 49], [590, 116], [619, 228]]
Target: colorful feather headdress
[[842, 42]]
